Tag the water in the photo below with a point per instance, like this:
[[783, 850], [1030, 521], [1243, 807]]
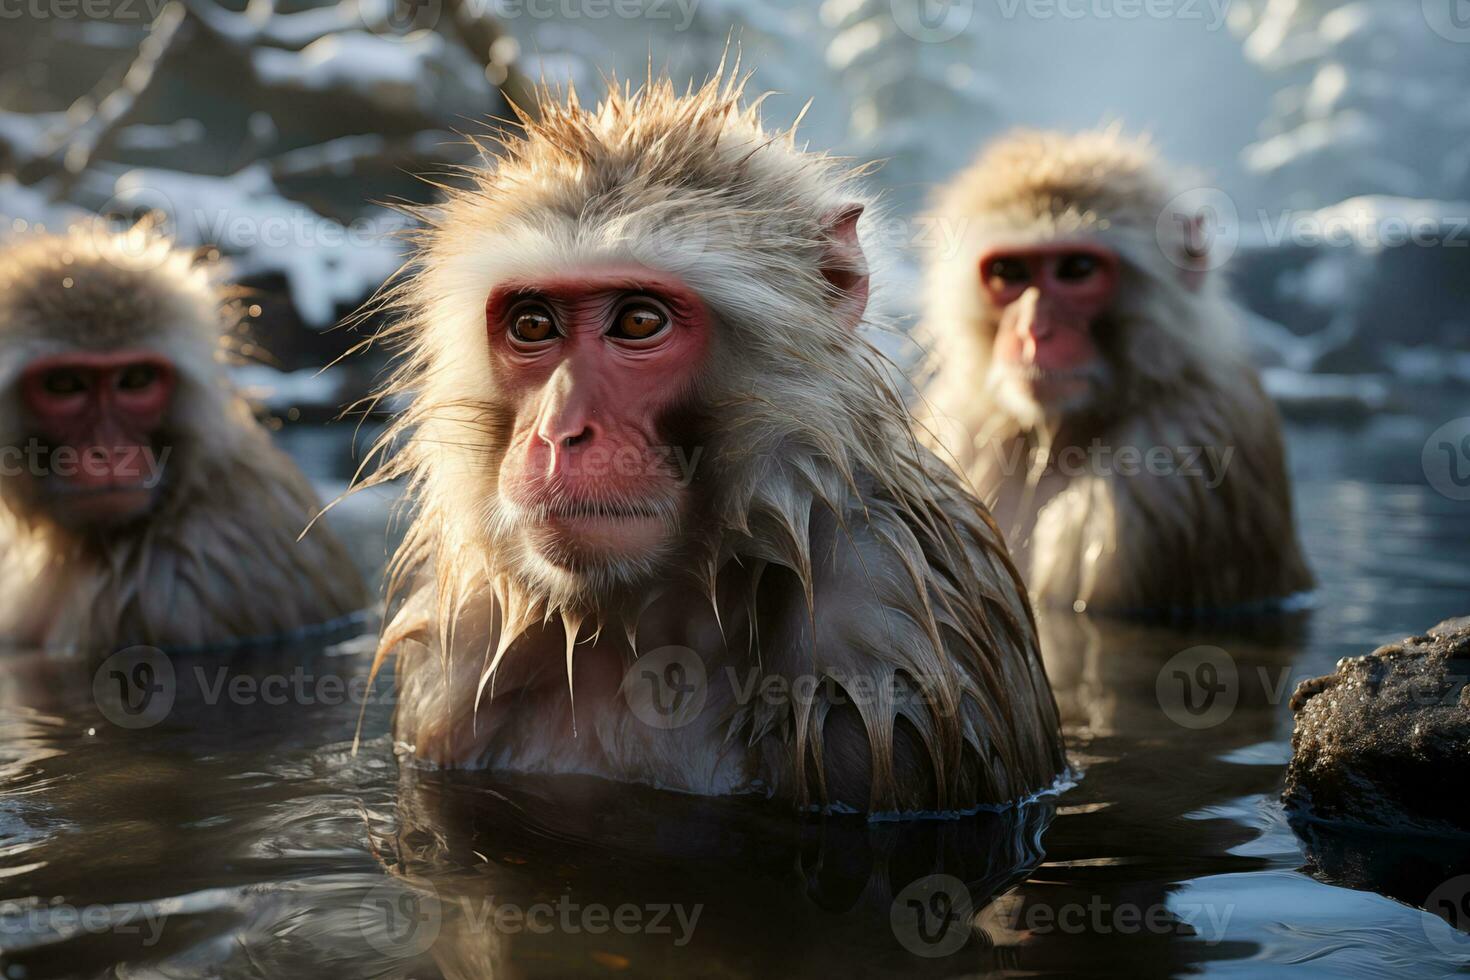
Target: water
[[245, 838]]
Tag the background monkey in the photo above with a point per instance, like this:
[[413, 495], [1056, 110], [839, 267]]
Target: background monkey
[[643, 425], [140, 501], [1087, 378]]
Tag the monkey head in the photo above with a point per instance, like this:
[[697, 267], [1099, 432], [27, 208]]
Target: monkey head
[[1076, 291], [612, 333], [107, 362]]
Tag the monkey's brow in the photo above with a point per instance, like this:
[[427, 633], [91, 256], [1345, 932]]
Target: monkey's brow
[[568, 288]]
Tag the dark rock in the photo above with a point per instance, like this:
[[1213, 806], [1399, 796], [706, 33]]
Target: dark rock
[[1384, 741]]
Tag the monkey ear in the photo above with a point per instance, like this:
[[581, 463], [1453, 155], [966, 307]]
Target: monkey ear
[[1194, 259], [843, 264]]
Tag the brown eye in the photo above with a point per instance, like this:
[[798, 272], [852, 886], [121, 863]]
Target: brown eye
[[63, 382], [532, 325], [1008, 272], [1077, 266], [639, 321], [137, 376]]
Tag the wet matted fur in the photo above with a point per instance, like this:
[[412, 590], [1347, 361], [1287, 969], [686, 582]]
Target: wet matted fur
[[1216, 534], [828, 545], [217, 559]]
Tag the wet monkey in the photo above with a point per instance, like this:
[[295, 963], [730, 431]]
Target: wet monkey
[[645, 440], [140, 501], [1088, 379]]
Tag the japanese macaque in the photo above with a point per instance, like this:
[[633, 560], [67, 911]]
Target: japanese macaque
[[140, 501], [1087, 378], [670, 524]]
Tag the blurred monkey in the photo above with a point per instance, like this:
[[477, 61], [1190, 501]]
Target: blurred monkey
[[140, 501], [1088, 379]]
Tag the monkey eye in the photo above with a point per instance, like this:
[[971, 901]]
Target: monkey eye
[[136, 377], [1076, 266], [639, 321], [532, 324], [64, 381], [1008, 272]]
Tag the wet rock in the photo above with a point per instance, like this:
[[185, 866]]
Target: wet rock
[[1384, 741]]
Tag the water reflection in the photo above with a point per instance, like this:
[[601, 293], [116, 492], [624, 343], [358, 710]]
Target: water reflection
[[241, 836]]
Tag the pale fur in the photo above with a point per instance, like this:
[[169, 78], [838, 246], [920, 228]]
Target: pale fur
[[1178, 378], [218, 559], [875, 561]]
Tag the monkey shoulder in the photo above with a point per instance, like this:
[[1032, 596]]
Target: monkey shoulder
[[928, 687], [1187, 506]]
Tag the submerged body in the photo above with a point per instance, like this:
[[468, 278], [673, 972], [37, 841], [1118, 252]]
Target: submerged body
[[1089, 381], [669, 526], [145, 504]]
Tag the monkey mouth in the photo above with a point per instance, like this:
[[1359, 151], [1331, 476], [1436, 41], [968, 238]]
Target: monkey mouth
[[107, 505], [1055, 387], [581, 533], [583, 510]]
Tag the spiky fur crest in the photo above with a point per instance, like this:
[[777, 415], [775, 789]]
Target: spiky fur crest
[[218, 558], [1186, 381], [811, 430]]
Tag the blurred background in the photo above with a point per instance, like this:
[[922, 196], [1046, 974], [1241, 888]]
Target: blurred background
[[1329, 139]]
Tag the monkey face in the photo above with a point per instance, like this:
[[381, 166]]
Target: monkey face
[[593, 365], [1048, 301], [98, 418]]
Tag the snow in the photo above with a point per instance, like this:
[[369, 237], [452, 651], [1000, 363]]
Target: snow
[[1299, 393], [326, 264], [400, 73], [28, 208], [1365, 144], [1371, 99], [281, 391]]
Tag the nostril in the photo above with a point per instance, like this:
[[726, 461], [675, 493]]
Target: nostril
[[577, 439]]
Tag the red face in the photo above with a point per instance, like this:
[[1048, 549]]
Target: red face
[[594, 365], [100, 416], [1050, 299]]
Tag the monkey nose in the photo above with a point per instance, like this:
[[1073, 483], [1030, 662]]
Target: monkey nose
[[566, 433], [565, 438]]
